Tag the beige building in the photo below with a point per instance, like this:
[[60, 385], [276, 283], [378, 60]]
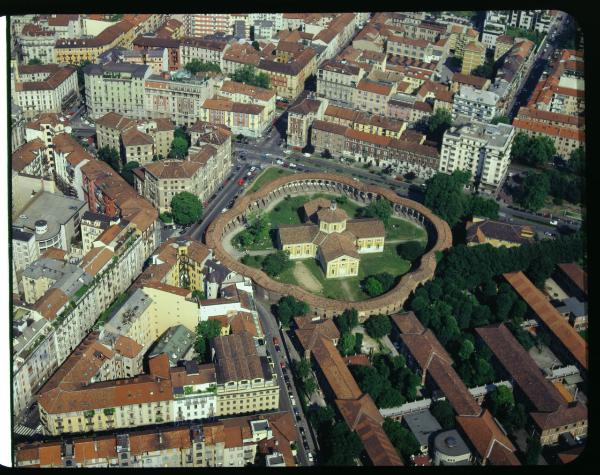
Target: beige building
[[41, 88], [246, 382], [373, 97], [246, 94], [300, 118], [474, 56], [330, 237], [337, 82], [287, 79], [136, 140], [250, 120]]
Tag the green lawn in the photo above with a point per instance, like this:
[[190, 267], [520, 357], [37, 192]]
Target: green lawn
[[349, 288], [402, 229], [269, 174]]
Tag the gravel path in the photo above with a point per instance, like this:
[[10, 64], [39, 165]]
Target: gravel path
[[305, 278]]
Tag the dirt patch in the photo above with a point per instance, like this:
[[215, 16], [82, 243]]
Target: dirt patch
[[348, 290], [306, 279]]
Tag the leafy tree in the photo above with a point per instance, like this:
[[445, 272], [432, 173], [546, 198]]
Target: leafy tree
[[205, 331], [444, 195], [347, 321], [248, 75], [341, 446], [373, 287], [80, 73], [479, 206], [577, 161], [196, 66], [438, 124], [466, 350], [534, 190], [455, 63], [486, 70], [289, 307], [346, 344], [401, 438], [179, 148], [111, 156], [501, 119], [358, 339], [302, 368], [326, 153], [410, 250], [534, 450], [34, 61], [380, 209], [378, 326], [256, 46], [251, 33], [198, 295], [166, 217], [186, 208], [443, 412], [127, 172], [321, 417], [500, 402], [156, 158], [276, 263], [310, 386], [532, 151]]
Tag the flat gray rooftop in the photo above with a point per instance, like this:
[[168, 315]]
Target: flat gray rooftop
[[422, 424]]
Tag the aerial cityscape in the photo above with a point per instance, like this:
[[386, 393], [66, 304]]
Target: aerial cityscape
[[298, 239]]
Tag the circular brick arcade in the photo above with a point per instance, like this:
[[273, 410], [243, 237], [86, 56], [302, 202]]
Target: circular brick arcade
[[438, 231]]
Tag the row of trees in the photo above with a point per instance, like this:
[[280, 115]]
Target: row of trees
[[349, 343], [378, 284], [445, 197], [411, 250], [532, 151], [402, 439], [389, 381], [380, 209], [305, 379]]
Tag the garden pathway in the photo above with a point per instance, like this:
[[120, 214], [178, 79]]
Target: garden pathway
[[305, 278]]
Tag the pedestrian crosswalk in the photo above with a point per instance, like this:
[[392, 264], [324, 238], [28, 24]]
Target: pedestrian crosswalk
[[27, 431]]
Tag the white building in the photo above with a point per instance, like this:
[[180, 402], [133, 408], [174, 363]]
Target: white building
[[480, 148], [115, 87], [475, 104]]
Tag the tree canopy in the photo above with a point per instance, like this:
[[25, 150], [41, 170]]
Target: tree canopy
[[534, 190], [186, 208], [111, 156], [532, 151], [411, 250], [179, 148], [444, 413], [127, 172], [444, 195], [289, 307], [401, 438], [378, 326], [437, 124], [340, 446], [276, 263], [248, 75], [204, 332], [196, 66], [34, 61], [380, 209], [347, 321]]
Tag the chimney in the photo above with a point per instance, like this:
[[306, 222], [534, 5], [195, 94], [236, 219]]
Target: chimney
[[333, 205]]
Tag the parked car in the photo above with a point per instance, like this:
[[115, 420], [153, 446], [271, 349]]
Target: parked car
[[282, 364], [252, 169], [301, 429], [279, 162], [292, 165], [241, 181], [275, 341], [293, 401], [554, 222], [310, 457], [224, 210], [305, 445], [306, 154], [287, 152]]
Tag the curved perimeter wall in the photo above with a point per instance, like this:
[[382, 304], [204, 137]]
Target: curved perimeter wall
[[439, 238]]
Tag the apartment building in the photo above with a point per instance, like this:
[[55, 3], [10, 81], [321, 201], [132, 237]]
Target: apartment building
[[37, 42], [149, 43], [137, 141], [287, 79], [201, 24], [115, 87], [75, 51], [418, 49], [337, 81], [228, 443], [474, 56], [480, 148], [476, 82], [53, 219], [178, 97], [43, 88], [475, 104], [246, 94], [245, 381], [71, 306], [202, 49], [156, 58], [373, 96], [300, 118], [92, 226], [30, 158], [246, 119], [238, 55]]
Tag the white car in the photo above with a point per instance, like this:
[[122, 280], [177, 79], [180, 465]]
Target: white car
[[306, 154], [293, 400], [554, 222], [249, 174], [252, 169], [310, 457], [279, 162], [292, 165], [224, 210], [287, 152]]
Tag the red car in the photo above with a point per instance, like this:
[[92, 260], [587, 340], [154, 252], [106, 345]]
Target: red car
[[275, 341], [282, 364], [241, 181]]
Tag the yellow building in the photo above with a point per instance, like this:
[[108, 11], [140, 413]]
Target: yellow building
[[497, 233], [333, 239], [473, 57], [185, 261], [245, 382]]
